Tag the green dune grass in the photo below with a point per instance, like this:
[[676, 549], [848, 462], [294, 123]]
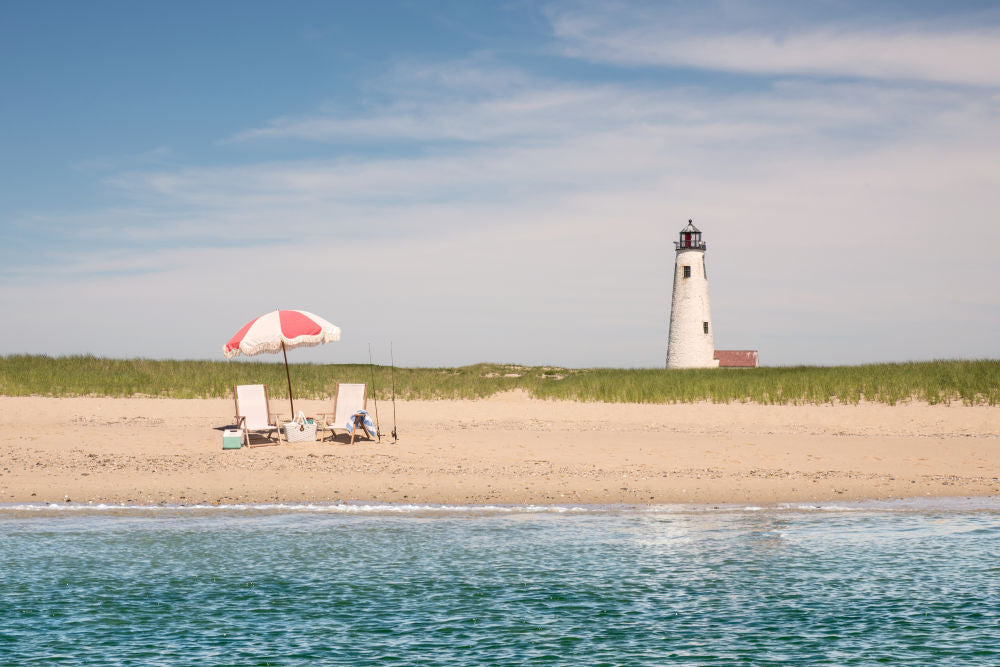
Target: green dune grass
[[968, 382]]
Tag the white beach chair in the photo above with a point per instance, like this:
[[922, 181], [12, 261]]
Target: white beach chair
[[253, 413], [349, 399]]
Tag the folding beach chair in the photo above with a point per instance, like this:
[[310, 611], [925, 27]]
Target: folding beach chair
[[253, 413], [350, 400]]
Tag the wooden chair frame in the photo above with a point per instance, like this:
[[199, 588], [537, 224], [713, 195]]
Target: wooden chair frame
[[325, 426], [273, 421]]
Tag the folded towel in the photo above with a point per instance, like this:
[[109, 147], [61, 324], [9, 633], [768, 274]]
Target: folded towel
[[366, 420]]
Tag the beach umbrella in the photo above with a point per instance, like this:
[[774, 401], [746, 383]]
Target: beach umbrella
[[281, 330]]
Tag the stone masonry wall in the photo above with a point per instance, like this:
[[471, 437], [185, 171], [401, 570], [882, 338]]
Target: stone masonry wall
[[688, 345]]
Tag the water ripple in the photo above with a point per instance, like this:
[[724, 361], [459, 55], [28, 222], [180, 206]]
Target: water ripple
[[278, 585]]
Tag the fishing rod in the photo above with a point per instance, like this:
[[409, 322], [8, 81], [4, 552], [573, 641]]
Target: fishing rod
[[392, 363], [371, 367]]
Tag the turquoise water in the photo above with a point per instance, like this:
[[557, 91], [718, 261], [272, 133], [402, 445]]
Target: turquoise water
[[355, 584]]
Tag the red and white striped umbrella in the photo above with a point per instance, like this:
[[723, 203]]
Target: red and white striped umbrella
[[280, 330]]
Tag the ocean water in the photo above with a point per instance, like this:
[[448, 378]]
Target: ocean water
[[894, 582]]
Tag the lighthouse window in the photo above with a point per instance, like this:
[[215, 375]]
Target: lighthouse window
[[704, 325], [687, 271]]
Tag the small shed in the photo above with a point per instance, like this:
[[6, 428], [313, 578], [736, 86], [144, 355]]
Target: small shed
[[736, 358]]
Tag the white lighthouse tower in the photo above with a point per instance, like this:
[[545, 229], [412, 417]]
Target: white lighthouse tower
[[691, 342]]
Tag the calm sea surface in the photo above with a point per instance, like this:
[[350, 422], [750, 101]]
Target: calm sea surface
[[360, 584]]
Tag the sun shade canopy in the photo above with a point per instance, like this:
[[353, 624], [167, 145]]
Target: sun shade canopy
[[291, 328]]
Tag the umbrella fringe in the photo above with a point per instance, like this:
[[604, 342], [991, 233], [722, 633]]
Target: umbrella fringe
[[275, 346]]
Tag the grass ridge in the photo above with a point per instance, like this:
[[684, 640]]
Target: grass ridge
[[970, 382]]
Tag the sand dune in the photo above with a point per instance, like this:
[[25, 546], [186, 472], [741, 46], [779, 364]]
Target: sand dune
[[506, 449]]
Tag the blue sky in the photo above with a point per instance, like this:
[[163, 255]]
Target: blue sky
[[501, 181]]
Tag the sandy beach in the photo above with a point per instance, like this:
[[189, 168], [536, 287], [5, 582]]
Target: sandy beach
[[505, 449]]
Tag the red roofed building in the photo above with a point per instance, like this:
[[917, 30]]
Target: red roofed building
[[736, 358]]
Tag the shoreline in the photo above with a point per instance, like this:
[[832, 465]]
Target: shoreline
[[507, 449], [367, 508]]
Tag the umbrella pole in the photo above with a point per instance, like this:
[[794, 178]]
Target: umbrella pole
[[289, 377]]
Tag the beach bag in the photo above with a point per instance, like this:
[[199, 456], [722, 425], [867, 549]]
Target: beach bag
[[300, 429]]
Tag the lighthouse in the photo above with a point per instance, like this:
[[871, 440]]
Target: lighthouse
[[691, 342]]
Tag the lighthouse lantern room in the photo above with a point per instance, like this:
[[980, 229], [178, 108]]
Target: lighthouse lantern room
[[690, 238]]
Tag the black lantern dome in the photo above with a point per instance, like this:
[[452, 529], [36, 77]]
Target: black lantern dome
[[690, 238]]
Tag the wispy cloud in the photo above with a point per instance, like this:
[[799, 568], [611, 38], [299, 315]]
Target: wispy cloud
[[916, 51]]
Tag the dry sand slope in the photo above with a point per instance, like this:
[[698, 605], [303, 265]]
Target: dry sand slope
[[506, 449]]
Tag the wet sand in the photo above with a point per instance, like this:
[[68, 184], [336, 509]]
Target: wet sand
[[505, 449]]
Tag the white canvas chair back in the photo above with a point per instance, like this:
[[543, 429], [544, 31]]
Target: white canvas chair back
[[350, 398], [251, 402]]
